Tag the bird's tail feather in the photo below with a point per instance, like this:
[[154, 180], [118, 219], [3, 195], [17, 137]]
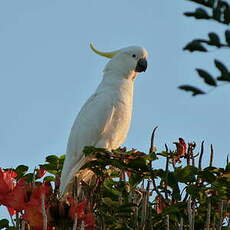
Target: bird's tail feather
[[86, 175]]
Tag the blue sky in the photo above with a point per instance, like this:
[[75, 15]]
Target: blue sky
[[48, 71]]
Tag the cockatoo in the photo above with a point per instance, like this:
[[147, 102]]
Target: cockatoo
[[104, 119]]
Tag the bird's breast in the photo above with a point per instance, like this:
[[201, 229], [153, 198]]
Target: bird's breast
[[117, 127]]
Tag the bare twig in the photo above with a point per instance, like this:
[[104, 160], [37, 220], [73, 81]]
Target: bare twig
[[201, 154], [193, 219], [208, 216], [229, 224], [44, 216], [166, 179], [190, 214], [23, 225], [155, 187], [12, 221], [181, 224], [211, 156], [221, 215], [144, 210], [151, 149], [75, 223], [167, 222]]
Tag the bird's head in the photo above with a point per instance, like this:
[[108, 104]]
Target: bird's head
[[128, 60]]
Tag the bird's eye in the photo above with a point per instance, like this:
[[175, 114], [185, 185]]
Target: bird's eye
[[134, 55]]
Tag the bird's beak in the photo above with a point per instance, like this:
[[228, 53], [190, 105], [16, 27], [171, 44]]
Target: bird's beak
[[141, 65]]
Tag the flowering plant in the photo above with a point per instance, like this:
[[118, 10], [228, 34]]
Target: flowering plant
[[130, 191]]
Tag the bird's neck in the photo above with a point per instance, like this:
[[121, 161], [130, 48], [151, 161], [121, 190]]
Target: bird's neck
[[118, 78], [116, 82]]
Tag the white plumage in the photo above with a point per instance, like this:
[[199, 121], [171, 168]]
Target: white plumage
[[104, 119]]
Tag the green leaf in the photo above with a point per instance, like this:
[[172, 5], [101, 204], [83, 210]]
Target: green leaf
[[21, 170], [195, 45], [4, 223], [227, 36], [222, 68], [118, 164], [109, 202], [49, 167], [214, 39], [29, 177], [173, 183], [227, 14], [89, 150], [207, 176], [164, 154], [151, 157], [195, 91], [52, 159], [138, 164], [186, 174], [49, 178], [224, 77], [193, 190], [207, 77], [200, 13], [135, 179]]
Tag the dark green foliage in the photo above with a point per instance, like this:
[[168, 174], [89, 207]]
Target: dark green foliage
[[199, 13], [130, 192], [195, 45], [21, 170], [54, 164], [133, 194], [219, 11], [208, 78], [4, 223], [195, 91], [214, 39]]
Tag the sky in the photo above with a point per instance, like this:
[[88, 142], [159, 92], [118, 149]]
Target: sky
[[47, 72]]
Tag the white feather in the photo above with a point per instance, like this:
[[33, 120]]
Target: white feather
[[104, 119]]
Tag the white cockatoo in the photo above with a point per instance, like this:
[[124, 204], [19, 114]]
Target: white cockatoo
[[104, 119]]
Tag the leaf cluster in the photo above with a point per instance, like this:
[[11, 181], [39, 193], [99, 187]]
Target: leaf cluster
[[219, 11]]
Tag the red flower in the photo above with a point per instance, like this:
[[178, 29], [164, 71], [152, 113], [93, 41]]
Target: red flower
[[11, 211], [7, 184], [7, 181], [89, 221], [181, 149], [33, 209], [76, 209], [183, 145], [40, 172], [161, 205], [16, 198]]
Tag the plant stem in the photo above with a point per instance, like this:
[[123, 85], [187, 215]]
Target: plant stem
[[211, 156], [201, 154]]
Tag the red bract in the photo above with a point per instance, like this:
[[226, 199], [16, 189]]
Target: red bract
[[40, 173], [11, 211], [183, 144], [76, 209], [44, 188], [89, 221], [16, 198], [33, 209], [181, 149], [7, 184], [7, 181], [161, 205], [33, 214]]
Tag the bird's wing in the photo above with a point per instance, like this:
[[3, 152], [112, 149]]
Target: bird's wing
[[94, 117]]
